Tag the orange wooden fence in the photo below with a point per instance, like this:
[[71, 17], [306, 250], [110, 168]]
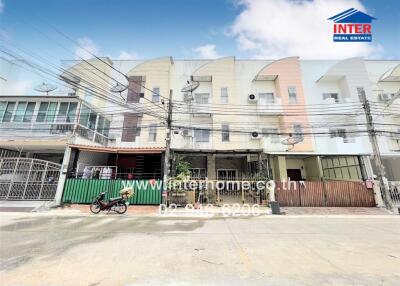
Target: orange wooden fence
[[328, 194]]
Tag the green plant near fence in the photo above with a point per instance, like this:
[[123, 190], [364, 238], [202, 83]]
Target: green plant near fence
[[84, 191]]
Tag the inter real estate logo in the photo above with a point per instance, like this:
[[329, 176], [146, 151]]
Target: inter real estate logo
[[352, 26]]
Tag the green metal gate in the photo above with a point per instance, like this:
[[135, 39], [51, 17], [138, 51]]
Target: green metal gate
[[84, 191]]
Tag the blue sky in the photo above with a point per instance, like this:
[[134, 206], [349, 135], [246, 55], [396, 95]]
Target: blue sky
[[194, 28]]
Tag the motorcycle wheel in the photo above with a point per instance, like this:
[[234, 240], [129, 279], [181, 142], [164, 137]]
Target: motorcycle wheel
[[95, 208], [121, 208]]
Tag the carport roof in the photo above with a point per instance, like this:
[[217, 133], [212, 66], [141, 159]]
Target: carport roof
[[124, 150]]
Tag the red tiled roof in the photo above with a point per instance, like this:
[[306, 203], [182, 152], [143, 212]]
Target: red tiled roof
[[126, 150]]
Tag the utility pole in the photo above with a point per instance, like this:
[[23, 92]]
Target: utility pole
[[375, 149], [167, 148]]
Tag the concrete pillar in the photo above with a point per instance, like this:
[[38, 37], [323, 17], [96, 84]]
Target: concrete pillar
[[368, 171], [280, 171], [63, 175], [314, 169], [378, 195], [211, 172]]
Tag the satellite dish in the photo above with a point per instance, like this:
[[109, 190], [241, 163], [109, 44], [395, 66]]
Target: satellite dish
[[291, 141], [45, 87], [118, 88], [191, 86]]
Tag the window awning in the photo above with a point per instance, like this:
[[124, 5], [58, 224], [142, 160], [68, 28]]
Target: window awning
[[120, 150]]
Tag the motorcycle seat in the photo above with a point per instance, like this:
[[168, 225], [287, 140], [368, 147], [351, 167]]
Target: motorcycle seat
[[115, 199]]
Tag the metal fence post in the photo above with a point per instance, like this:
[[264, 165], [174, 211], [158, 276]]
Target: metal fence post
[[63, 175]]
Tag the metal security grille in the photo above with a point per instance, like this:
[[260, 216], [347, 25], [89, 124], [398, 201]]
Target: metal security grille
[[394, 190], [28, 179]]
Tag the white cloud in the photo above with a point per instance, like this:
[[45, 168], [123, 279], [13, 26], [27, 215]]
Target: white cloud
[[280, 28], [207, 52], [124, 55], [1, 6], [84, 48]]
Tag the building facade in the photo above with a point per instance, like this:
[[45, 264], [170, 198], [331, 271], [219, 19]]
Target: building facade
[[286, 118]]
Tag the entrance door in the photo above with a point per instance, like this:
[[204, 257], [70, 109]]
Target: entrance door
[[230, 193], [294, 174]]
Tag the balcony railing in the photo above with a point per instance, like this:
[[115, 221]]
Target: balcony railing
[[38, 129]]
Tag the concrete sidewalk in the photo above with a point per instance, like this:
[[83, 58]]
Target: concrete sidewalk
[[23, 206]]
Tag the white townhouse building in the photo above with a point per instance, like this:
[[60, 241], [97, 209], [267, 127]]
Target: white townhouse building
[[285, 118]]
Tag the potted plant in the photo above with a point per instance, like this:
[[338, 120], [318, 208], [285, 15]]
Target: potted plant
[[177, 194]]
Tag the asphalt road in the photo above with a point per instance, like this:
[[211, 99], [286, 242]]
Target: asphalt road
[[110, 250]]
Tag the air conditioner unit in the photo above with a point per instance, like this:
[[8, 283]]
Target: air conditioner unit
[[255, 135], [252, 98], [187, 133], [384, 96]]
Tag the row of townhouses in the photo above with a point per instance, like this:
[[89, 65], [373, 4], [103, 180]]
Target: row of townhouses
[[289, 118]]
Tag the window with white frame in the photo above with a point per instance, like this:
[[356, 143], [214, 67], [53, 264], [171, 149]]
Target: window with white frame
[[47, 112], [202, 135], [266, 98], [292, 94], [272, 133], [201, 98], [156, 94], [8, 112], [198, 173], [342, 167], [67, 112], [327, 95], [42, 112], [87, 117], [24, 111], [225, 132], [3, 105], [30, 108], [224, 95], [20, 111], [152, 132], [103, 125]]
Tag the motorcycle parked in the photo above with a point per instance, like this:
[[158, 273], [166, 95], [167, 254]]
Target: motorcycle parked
[[114, 204]]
